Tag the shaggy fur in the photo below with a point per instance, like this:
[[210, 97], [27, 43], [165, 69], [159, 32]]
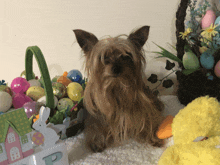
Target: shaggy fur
[[119, 103]]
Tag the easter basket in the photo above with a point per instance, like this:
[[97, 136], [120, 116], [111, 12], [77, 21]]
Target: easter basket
[[23, 141], [201, 40], [76, 124], [198, 51]]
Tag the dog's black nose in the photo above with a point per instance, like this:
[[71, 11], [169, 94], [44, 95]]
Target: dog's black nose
[[116, 69]]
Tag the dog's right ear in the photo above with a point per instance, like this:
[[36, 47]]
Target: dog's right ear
[[85, 39]]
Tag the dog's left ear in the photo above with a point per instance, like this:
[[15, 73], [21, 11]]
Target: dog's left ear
[[85, 40], [140, 36]]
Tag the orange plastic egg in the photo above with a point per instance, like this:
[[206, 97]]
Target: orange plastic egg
[[64, 80]]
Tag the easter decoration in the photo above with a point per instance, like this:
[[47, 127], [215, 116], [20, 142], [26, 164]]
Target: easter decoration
[[5, 101], [19, 86], [21, 140], [194, 134], [198, 52], [4, 87]]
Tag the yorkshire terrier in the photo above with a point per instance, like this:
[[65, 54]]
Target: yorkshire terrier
[[120, 104]]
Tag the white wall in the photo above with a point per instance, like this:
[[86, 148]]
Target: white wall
[[49, 24]]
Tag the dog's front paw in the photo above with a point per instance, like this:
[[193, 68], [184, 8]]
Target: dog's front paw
[[97, 148]]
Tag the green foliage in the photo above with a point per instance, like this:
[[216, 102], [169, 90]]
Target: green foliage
[[166, 53]]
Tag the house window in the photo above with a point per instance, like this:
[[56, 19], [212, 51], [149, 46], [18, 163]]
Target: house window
[[1, 149], [11, 137], [14, 153], [24, 139]]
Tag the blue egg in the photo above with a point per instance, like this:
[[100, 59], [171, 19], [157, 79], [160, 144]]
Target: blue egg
[[210, 77], [217, 21], [75, 76], [207, 60]]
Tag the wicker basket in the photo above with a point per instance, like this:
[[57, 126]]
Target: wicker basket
[[195, 84]]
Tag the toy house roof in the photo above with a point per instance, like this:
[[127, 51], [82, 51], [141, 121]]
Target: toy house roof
[[17, 119]]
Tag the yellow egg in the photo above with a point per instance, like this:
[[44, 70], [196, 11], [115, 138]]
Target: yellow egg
[[74, 91], [202, 49], [35, 92]]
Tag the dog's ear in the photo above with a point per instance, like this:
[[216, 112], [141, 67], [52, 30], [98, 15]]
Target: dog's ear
[[140, 36], [85, 39]]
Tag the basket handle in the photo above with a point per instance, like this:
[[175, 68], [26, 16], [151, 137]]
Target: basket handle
[[35, 50], [180, 17]]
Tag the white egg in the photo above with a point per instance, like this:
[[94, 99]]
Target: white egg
[[43, 100], [34, 82], [5, 101]]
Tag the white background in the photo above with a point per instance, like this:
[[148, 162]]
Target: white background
[[49, 24]]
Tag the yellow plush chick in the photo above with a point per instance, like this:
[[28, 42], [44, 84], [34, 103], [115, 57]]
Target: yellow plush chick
[[196, 135]]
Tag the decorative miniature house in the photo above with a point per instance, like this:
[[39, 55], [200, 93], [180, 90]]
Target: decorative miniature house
[[17, 141], [15, 137]]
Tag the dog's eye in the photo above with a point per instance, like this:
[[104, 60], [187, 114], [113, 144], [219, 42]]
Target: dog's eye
[[129, 54], [106, 60]]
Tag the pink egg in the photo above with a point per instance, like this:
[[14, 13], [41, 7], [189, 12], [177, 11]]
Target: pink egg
[[20, 85], [208, 19], [38, 138], [30, 108], [217, 69], [19, 99]]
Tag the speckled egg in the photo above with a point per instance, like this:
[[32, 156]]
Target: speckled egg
[[6, 89], [23, 74], [59, 90], [35, 92], [55, 79], [5, 101], [217, 69], [64, 103]]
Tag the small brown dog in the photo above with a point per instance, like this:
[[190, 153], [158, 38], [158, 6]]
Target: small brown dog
[[120, 104]]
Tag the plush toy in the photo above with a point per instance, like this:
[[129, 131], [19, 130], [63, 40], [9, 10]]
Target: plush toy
[[196, 134]]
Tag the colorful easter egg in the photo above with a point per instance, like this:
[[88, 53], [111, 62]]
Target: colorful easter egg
[[19, 99], [59, 90], [217, 21], [30, 108], [35, 92], [55, 79], [217, 69], [34, 82], [23, 74], [208, 19], [38, 138], [75, 76], [207, 60], [64, 79], [5, 101], [20, 85], [6, 89], [74, 91], [64, 103], [43, 100], [190, 61]]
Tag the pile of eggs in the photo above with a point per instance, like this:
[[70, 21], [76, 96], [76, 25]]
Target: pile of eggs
[[191, 61], [67, 89]]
